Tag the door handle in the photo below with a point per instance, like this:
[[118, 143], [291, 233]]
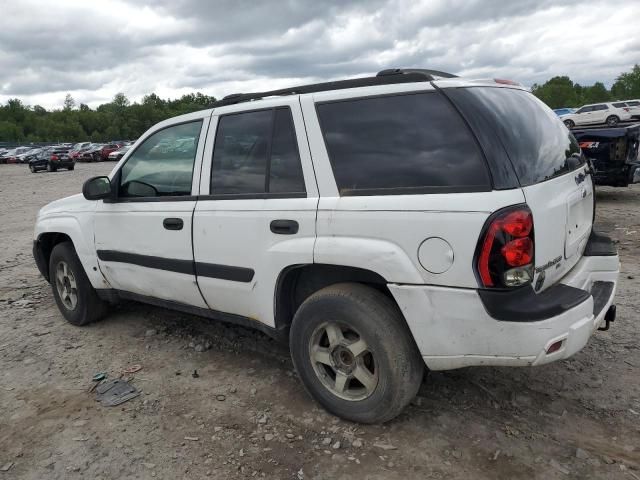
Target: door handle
[[284, 227], [173, 223]]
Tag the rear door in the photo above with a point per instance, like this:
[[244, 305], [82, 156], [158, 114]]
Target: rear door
[[256, 214], [551, 171]]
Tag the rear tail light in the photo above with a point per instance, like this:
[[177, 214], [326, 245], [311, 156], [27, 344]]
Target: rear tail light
[[54, 158], [505, 252], [625, 109]]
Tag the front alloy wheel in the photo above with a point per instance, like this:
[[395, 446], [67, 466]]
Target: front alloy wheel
[[66, 285], [343, 361]]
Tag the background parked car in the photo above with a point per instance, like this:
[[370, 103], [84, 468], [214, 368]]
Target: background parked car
[[51, 159], [564, 111], [632, 105], [11, 156], [595, 114], [91, 154], [28, 155], [108, 149], [118, 154]]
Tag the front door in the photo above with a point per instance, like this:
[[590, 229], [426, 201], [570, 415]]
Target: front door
[[143, 237], [259, 217]]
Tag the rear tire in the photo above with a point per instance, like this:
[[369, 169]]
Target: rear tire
[[76, 298], [569, 123], [612, 120], [51, 168], [71, 167], [354, 353], [33, 170]]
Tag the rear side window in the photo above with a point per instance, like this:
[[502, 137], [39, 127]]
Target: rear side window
[[600, 107], [619, 104], [256, 153], [633, 104], [401, 144], [538, 144]]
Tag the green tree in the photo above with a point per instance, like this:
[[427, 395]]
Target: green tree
[[557, 92], [69, 103], [627, 85]]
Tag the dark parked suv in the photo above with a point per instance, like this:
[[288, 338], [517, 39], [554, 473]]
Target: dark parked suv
[[51, 159]]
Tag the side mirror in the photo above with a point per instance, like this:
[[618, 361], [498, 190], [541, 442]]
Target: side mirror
[[97, 188]]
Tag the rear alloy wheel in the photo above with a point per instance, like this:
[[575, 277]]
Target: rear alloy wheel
[[612, 120], [569, 123], [354, 353]]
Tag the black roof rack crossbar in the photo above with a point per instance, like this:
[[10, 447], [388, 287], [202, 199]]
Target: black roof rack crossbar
[[423, 71], [385, 77]]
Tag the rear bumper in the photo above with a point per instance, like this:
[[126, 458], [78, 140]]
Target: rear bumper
[[453, 329]]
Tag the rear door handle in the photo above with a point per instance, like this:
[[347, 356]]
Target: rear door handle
[[173, 223], [284, 227]]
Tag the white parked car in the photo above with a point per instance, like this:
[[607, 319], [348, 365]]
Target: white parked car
[[374, 223], [598, 113], [634, 107]]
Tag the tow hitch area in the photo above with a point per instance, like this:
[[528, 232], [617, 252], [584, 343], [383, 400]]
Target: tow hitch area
[[609, 317]]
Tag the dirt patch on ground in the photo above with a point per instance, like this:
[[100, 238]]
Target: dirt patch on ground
[[245, 414]]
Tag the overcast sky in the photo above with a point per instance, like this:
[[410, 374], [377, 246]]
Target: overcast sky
[[94, 49]]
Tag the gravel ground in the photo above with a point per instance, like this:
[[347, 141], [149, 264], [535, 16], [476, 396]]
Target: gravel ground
[[245, 414]]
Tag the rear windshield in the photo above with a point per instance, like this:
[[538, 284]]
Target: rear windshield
[[401, 144], [538, 144]]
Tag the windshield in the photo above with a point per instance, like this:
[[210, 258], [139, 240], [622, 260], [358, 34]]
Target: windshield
[[538, 144]]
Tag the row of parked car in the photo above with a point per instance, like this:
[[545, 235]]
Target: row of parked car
[[64, 155], [610, 113]]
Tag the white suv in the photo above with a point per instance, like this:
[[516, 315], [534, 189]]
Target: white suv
[[379, 224], [598, 113]]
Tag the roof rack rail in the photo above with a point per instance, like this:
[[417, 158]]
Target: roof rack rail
[[385, 77]]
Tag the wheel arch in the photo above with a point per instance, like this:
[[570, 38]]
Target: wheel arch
[[296, 283], [52, 231]]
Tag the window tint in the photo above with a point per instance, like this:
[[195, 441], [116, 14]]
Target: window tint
[[633, 104], [162, 164], [537, 142], [401, 144], [619, 104], [585, 110], [285, 174], [600, 107], [248, 147]]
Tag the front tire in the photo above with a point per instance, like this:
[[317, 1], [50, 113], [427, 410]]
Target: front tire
[[32, 168], [612, 120], [76, 298], [355, 354], [71, 167]]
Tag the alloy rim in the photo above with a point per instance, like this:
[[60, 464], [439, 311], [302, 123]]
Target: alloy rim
[[343, 361], [66, 285]]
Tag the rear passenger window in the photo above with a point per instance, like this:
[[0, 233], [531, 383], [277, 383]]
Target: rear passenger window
[[401, 144], [619, 104], [256, 153]]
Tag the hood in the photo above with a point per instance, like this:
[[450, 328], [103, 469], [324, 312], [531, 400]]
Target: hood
[[74, 203]]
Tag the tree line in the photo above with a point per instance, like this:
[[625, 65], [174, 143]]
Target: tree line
[[560, 92], [117, 120], [121, 119]]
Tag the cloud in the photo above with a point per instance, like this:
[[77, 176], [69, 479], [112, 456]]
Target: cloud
[[96, 49]]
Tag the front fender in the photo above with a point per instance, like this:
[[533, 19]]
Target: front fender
[[78, 228]]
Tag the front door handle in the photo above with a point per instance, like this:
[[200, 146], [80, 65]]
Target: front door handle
[[284, 227], [173, 223]]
